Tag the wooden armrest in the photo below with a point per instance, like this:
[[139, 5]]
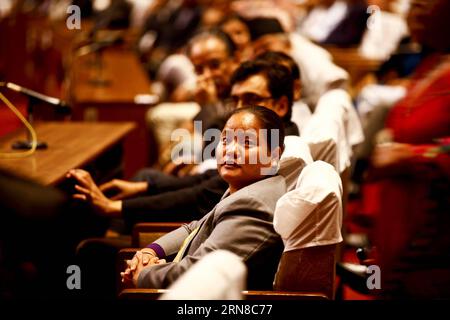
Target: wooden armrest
[[352, 54], [153, 294], [141, 294], [152, 231], [283, 295], [359, 67]]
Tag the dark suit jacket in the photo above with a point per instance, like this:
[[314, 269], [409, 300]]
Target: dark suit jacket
[[186, 203], [241, 223], [159, 182], [351, 29]]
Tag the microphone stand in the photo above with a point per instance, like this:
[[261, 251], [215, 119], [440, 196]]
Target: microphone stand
[[33, 99], [26, 144]]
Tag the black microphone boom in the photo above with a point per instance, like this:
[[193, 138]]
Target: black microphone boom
[[33, 98], [61, 105]]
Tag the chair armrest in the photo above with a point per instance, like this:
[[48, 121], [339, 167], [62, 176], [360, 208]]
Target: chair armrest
[[141, 294], [344, 57], [147, 232], [153, 294], [355, 64], [283, 295]]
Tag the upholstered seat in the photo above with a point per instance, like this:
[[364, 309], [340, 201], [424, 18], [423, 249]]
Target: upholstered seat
[[220, 275], [295, 157], [309, 220]]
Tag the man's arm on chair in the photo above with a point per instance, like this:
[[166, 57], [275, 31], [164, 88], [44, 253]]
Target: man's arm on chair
[[241, 232], [159, 182], [181, 205]]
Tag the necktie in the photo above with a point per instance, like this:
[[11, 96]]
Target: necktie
[[185, 245]]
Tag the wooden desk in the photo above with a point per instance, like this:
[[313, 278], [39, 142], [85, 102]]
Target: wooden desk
[[356, 65], [114, 101], [70, 145]]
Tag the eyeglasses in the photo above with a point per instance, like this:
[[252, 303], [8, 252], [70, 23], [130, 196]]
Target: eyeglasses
[[248, 99]]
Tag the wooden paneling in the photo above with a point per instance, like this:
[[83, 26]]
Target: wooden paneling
[[125, 79], [120, 68]]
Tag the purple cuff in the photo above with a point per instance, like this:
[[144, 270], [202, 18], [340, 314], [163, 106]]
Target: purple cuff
[[158, 250]]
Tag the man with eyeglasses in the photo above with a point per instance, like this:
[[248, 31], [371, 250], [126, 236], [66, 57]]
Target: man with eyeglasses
[[265, 84]]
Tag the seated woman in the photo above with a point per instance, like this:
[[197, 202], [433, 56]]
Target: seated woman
[[241, 222]]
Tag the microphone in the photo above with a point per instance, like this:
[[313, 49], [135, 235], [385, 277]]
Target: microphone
[[33, 97], [61, 105]]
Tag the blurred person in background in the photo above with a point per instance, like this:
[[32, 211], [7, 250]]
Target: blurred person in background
[[236, 27], [412, 162], [319, 73], [336, 22], [167, 28]]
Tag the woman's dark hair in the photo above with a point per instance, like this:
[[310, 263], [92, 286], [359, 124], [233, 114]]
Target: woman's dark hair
[[280, 58], [279, 79], [214, 33], [269, 120]]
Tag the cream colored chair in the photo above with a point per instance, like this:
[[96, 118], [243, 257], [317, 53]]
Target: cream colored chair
[[220, 275], [309, 220], [333, 132], [295, 157]]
